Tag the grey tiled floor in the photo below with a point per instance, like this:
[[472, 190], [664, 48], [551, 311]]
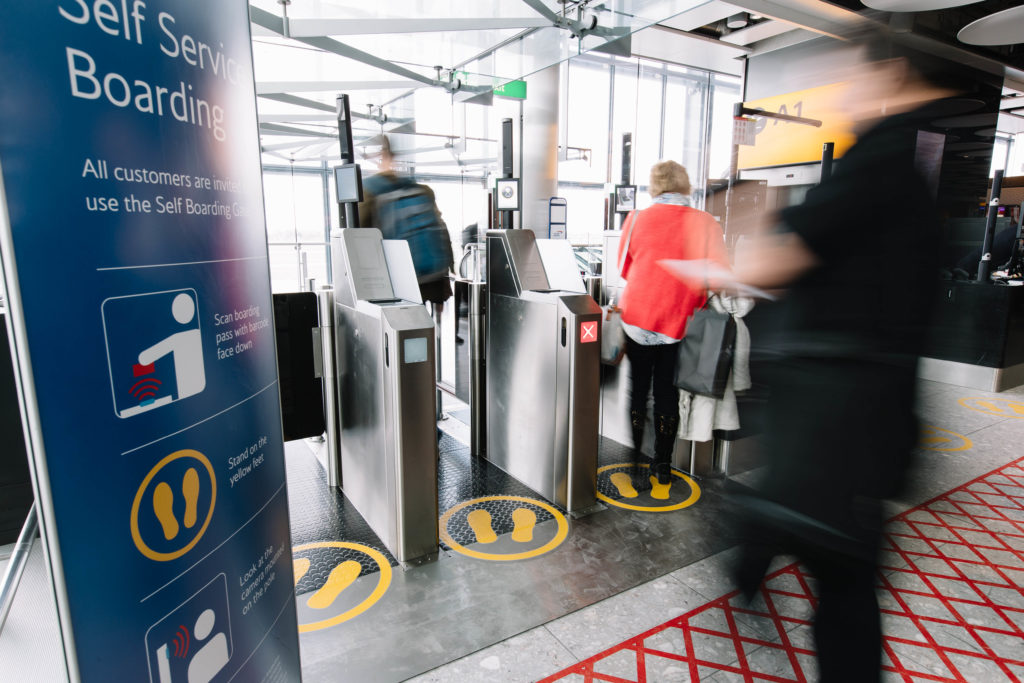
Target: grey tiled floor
[[469, 621], [562, 642], [30, 646]]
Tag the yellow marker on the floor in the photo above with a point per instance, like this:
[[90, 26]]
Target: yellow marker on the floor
[[163, 506], [684, 487], [524, 521], [1000, 407], [300, 565], [341, 578], [659, 491], [624, 483], [190, 489], [1014, 408], [480, 522]]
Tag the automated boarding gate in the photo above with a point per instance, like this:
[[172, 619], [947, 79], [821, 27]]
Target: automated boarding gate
[[385, 352], [543, 374]]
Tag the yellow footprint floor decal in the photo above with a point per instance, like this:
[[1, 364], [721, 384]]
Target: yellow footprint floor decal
[[480, 522], [524, 521], [163, 506], [341, 578], [190, 489], [624, 483], [659, 491], [300, 566]]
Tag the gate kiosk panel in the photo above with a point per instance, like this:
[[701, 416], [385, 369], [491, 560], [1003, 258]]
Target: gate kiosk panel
[[385, 352], [543, 375]]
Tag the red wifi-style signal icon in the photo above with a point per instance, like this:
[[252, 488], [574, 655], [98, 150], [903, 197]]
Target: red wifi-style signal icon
[[145, 388], [181, 642]]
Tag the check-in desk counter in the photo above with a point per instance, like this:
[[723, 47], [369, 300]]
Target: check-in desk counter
[[543, 373], [976, 338], [385, 369]]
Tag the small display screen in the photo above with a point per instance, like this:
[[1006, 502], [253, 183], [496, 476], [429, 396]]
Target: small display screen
[[348, 182], [414, 350], [625, 198], [507, 194]]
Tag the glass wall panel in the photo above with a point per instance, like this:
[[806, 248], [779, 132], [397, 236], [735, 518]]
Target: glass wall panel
[[647, 138], [284, 268], [584, 210], [587, 122], [675, 107], [624, 112], [1016, 165], [295, 204], [450, 198], [726, 93], [1001, 153]]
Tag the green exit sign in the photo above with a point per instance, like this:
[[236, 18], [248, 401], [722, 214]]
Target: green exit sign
[[515, 90]]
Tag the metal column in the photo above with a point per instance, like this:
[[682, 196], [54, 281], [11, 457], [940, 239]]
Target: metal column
[[16, 565], [477, 367], [332, 416], [435, 309]]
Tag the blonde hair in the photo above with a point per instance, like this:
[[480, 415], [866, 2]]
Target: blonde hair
[[669, 176]]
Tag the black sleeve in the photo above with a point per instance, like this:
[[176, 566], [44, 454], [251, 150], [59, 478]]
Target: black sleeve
[[852, 204], [825, 219]]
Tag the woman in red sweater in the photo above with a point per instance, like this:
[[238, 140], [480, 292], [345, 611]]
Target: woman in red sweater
[[656, 305]]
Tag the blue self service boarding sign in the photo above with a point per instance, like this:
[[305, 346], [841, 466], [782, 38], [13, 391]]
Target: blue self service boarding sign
[[135, 266]]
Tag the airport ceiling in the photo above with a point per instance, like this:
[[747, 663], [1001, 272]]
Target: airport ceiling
[[382, 54]]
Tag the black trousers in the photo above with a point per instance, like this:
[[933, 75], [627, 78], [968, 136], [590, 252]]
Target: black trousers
[[657, 362], [833, 483]]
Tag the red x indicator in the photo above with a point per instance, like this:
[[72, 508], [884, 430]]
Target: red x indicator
[[588, 331]]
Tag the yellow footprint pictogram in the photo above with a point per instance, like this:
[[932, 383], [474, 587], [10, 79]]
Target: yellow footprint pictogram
[[659, 491], [624, 483], [341, 577], [480, 522], [163, 504], [190, 489], [524, 521], [300, 566]]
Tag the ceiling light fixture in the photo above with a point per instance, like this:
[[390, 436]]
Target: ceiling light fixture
[[1002, 28], [738, 21], [915, 5]]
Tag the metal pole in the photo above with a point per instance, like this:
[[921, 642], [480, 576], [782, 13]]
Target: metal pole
[[329, 376], [720, 458], [477, 363], [349, 214], [827, 150], [436, 308], [16, 565], [985, 265]]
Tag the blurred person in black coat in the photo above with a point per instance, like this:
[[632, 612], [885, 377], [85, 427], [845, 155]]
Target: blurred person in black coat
[[858, 259]]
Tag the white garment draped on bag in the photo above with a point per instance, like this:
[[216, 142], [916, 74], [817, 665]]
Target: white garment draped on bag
[[699, 416]]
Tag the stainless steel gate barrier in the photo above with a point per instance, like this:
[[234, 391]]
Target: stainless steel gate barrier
[[385, 367], [543, 375]]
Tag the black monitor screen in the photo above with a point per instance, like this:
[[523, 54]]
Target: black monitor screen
[[349, 183]]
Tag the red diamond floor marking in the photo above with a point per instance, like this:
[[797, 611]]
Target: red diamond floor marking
[[955, 596]]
